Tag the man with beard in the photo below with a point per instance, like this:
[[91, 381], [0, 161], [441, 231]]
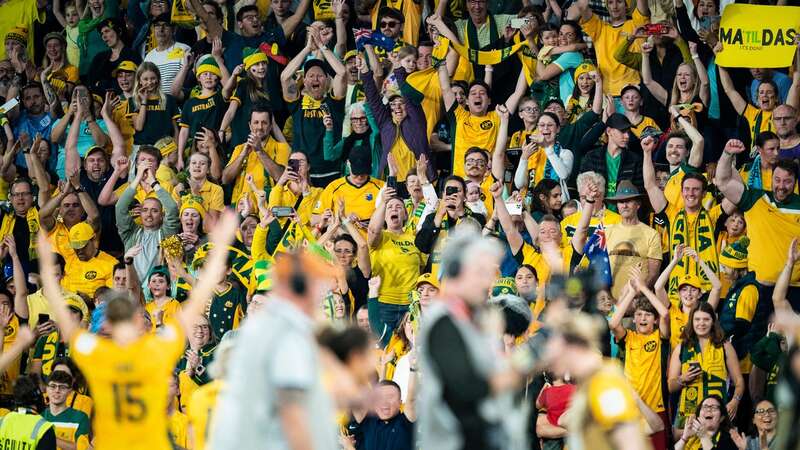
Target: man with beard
[[87, 267], [758, 174], [784, 120], [159, 217], [320, 96], [266, 166], [772, 223], [32, 119], [168, 55], [615, 162], [71, 203]]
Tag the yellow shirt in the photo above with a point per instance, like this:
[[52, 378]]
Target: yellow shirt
[[603, 402], [406, 161], [643, 368], [82, 403], [122, 117], [282, 196], [179, 429], [12, 372], [140, 195], [277, 151], [605, 39], [211, 193], [21, 12], [357, 200], [397, 261], [570, 223], [529, 255], [627, 246], [645, 123], [472, 131], [770, 227], [170, 310], [752, 114], [38, 304], [84, 277], [200, 410], [677, 320], [129, 385], [59, 239], [412, 12]]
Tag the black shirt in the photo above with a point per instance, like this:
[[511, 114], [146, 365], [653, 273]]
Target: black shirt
[[100, 77], [373, 433]]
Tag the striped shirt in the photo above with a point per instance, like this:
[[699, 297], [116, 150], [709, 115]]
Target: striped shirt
[[169, 62]]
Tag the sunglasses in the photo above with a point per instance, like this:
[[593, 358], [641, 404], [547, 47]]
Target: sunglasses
[[389, 24]]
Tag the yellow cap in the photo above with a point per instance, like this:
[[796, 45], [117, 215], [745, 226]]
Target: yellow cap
[[125, 66], [80, 234], [75, 302], [192, 202], [350, 54], [428, 278], [19, 34], [690, 279], [166, 146]]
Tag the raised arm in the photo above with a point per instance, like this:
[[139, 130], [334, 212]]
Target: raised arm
[[375, 227], [448, 97], [499, 154], [513, 236], [213, 269], [731, 186], [288, 83], [580, 236], [21, 294], [519, 92], [738, 102], [660, 286], [716, 285], [291, 23], [658, 91], [698, 142], [597, 101], [117, 140], [779, 301], [702, 74], [212, 24], [339, 80], [654, 192], [67, 325], [663, 311], [623, 305]]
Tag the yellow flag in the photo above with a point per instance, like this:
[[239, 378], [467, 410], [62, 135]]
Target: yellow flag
[[758, 36]]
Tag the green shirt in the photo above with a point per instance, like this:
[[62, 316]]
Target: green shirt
[[70, 424], [308, 132], [48, 349], [612, 169], [227, 309]]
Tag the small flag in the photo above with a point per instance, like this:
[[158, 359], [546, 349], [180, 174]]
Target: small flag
[[376, 38], [597, 253]]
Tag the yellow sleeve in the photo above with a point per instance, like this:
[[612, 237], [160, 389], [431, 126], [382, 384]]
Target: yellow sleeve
[[281, 152], [235, 154], [258, 249], [638, 18], [746, 306], [325, 201], [611, 402], [82, 443], [275, 196], [215, 202], [592, 27], [187, 387]]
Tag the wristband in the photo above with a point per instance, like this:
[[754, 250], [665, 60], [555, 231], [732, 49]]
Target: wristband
[[695, 56], [128, 261], [154, 184]]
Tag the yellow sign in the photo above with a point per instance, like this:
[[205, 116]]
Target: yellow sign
[[758, 36]]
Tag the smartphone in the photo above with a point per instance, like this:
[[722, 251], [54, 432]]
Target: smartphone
[[654, 29], [294, 165], [694, 365], [324, 108], [519, 22], [514, 208], [391, 182], [707, 21], [508, 175], [514, 154], [450, 190], [43, 318], [9, 105], [282, 211]]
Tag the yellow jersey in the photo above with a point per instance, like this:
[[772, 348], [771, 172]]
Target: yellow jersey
[[179, 429], [129, 385], [277, 151], [471, 131], [12, 372], [140, 195], [758, 121], [357, 200], [406, 160], [643, 124], [200, 410], [397, 261], [169, 310], [529, 255], [602, 402], [59, 239], [211, 193], [570, 223], [283, 196], [643, 366], [677, 320], [84, 277], [605, 39], [771, 226]]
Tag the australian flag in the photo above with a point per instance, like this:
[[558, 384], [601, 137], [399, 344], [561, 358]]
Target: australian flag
[[376, 38], [597, 253]]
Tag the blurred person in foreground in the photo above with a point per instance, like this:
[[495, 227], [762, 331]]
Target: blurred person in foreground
[[603, 412], [461, 403], [286, 405]]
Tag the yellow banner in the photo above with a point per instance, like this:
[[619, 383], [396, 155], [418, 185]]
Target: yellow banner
[[758, 36]]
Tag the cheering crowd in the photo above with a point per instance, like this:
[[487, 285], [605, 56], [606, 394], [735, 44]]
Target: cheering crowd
[[395, 224]]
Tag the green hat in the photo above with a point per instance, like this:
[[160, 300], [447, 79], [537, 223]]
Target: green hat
[[208, 64], [504, 286], [252, 56], [735, 254]]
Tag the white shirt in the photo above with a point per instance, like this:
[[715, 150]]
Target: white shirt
[[169, 62]]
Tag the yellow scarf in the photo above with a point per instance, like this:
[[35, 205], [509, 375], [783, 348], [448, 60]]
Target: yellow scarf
[[7, 228], [701, 240]]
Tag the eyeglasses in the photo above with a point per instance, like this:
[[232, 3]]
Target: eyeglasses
[[58, 387], [342, 251], [250, 17], [782, 119], [358, 118], [763, 411], [389, 24], [530, 109], [709, 407], [475, 162], [20, 194]]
